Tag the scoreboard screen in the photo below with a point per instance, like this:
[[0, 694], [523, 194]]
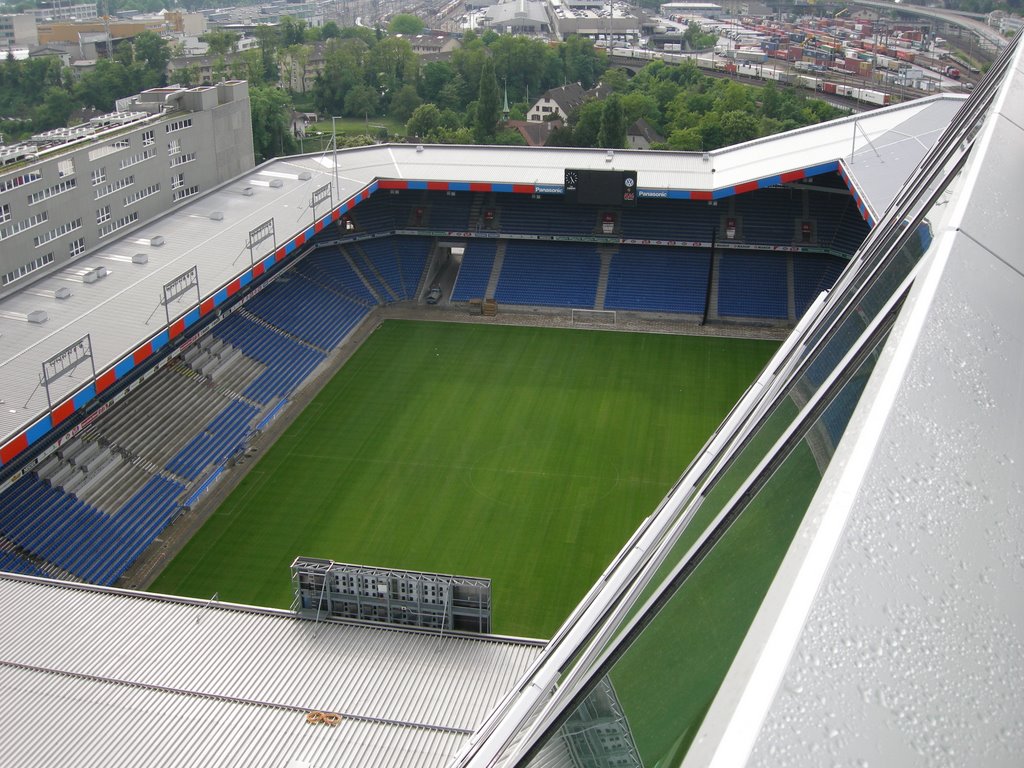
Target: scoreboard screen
[[588, 187]]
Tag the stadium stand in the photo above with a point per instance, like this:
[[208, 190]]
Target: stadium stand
[[549, 274], [521, 214], [655, 219], [813, 274], [769, 216], [752, 284], [475, 270], [651, 279]]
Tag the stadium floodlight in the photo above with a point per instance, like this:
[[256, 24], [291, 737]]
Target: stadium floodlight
[[175, 288], [264, 231], [65, 362], [326, 192]]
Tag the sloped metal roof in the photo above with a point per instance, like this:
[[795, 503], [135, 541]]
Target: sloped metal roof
[[123, 310], [136, 679]]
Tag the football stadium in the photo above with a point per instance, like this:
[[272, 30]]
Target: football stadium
[[415, 455]]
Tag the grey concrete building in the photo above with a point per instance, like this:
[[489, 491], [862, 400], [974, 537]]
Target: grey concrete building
[[70, 190]]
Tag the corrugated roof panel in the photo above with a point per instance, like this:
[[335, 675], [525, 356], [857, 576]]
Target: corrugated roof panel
[[448, 681], [66, 720]]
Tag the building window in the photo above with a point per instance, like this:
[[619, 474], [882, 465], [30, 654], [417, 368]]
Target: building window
[[188, 157], [103, 215], [178, 181], [131, 160], [18, 181], [5, 213], [173, 147], [98, 175], [178, 125], [56, 189], [76, 247], [141, 194], [24, 269], [127, 181], [20, 226], [124, 221], [66, 167], [147, 138], [53, 234]]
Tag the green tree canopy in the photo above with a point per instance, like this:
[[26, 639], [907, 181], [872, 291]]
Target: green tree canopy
[[612, 134], [405, 24], [271, 123], [488, 107]]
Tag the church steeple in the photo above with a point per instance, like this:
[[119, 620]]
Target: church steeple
[[505, 110]]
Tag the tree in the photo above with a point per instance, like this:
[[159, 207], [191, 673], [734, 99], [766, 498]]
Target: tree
[[405, 24], [152, 52], [488, 106], [297, 57], [343, 70], [612, 134], [404, 102], [583, 63], [269, 42], [57, 106], [425, 119], [271, 124], [248, 65], [330, 30], [586, 124], [292, 30], [361, 101], [221, 41]]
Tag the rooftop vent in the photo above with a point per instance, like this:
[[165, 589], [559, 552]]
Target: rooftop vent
[[217, 216], [101, 272], [419, 147], [140, 258], [276, 183], [156, 241], [62, 293], [247, 191], [38, 317], [305, 176], [89, 277]]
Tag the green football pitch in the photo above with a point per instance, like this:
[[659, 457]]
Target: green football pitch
[[520, 454]]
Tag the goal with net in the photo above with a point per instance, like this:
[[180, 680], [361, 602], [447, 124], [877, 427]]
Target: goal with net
[[605, 317]]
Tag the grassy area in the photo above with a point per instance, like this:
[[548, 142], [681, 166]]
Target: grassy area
[[526, 455]]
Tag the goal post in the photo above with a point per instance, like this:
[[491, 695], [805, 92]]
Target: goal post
[[589, 317]]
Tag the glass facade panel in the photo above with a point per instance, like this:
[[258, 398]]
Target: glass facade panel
[[671, 665]]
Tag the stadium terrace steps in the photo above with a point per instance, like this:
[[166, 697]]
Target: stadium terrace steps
[[368, 287], [218, 440], [367, 253], [335, 269], [77, 538], [475, 270], [288, 362]]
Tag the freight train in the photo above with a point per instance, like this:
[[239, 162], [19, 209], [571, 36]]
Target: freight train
[[758, 71]]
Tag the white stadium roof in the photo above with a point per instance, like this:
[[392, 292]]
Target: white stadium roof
[[123, 311]]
